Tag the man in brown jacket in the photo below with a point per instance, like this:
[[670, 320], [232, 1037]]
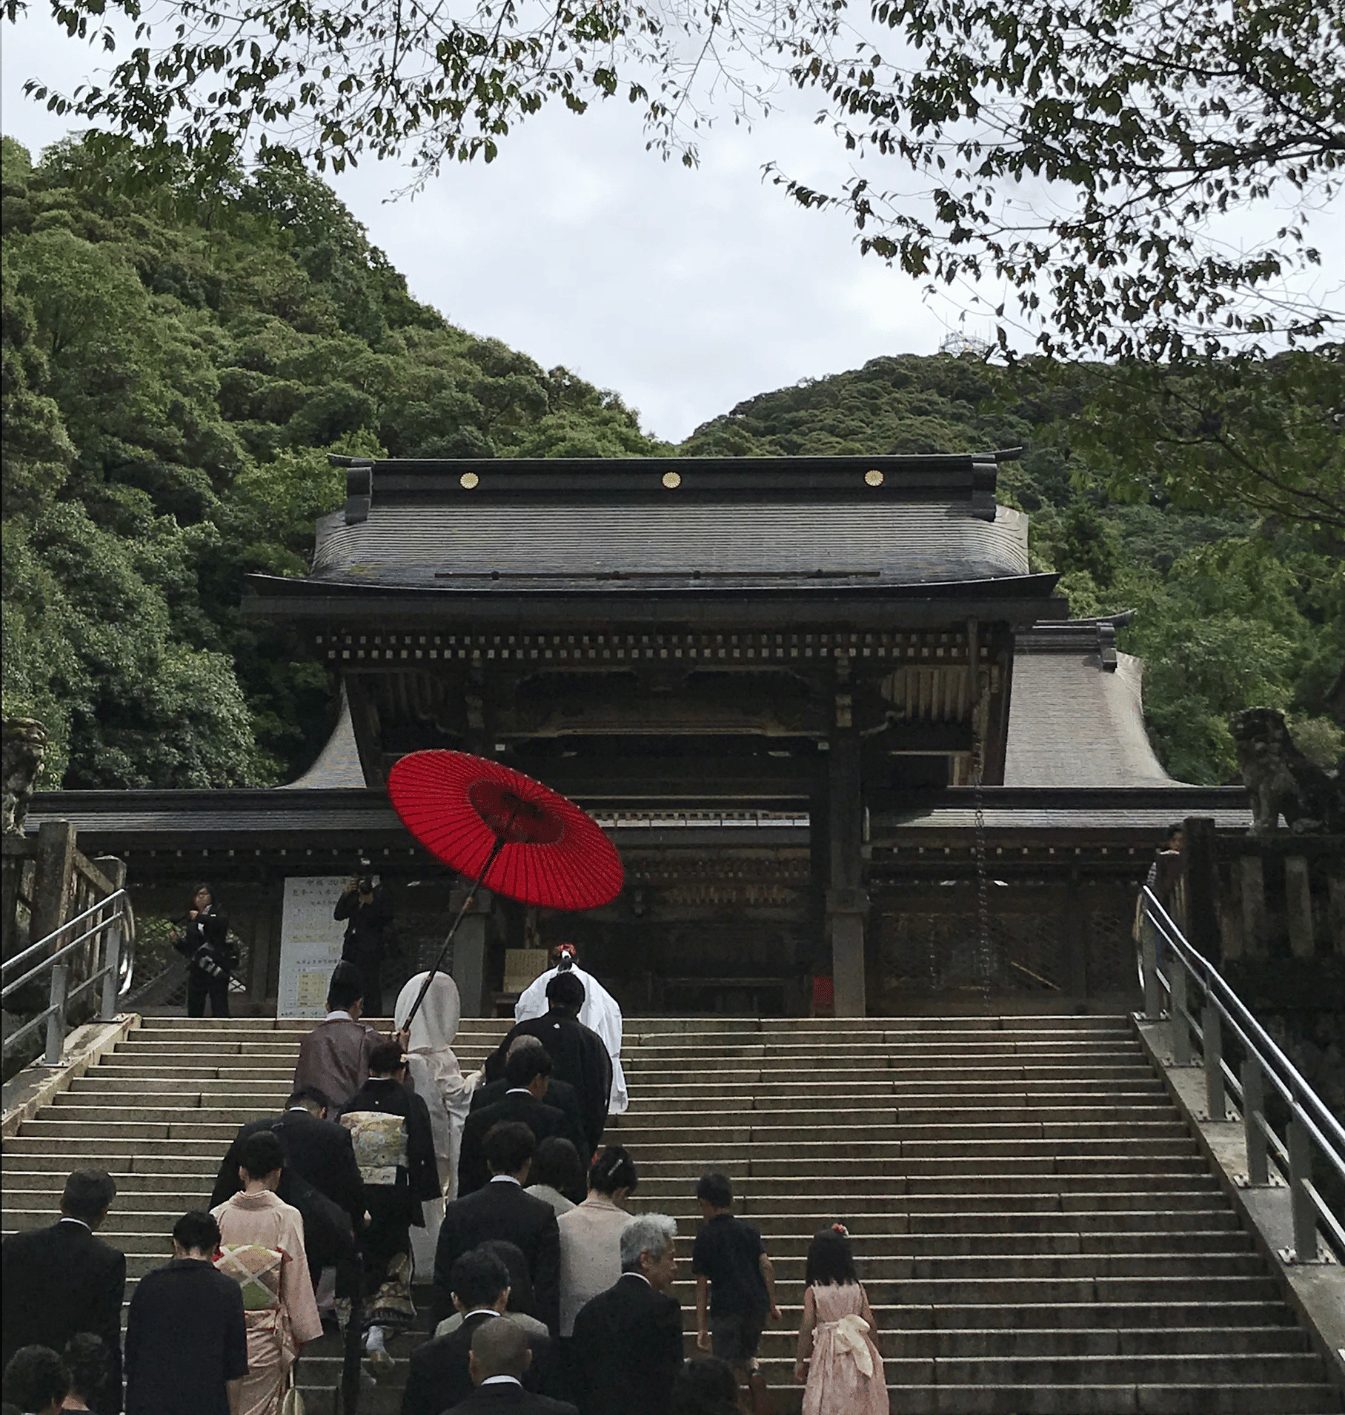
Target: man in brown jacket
[[334, 1056]]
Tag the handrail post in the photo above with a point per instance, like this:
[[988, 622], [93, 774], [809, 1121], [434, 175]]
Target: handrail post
[[1181, 1026], [1300, 1173], [60, 974], [1212, 1025], [1253, 1122], [112, 962]]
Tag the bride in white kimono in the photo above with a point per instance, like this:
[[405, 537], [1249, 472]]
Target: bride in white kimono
[[434, 1072], [600, 1013]]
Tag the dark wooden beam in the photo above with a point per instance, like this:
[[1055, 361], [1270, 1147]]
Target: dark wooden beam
[[368, 731]]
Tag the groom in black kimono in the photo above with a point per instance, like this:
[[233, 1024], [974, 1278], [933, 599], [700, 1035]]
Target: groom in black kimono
[[578, 1055], [392, 1194]]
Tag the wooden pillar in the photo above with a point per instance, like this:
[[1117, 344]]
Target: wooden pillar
[[847, 904], [54, 877], [468, 962], [1335, 912], [1298, 905], [1254, 941], [17, 852], [1202, 888]]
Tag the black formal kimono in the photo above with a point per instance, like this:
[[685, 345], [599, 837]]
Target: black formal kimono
[[542, 1119], [393, 1194], [578, 1057], [57, 1281]]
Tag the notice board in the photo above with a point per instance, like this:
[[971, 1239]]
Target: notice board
[[310, 944]]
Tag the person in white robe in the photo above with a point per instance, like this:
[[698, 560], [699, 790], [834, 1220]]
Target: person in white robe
[[437, 1079], [600, 1013]]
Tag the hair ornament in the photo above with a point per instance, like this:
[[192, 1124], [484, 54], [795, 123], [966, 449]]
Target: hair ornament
[[840, 1229]]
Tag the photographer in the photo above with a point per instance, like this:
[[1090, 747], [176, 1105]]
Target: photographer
[[367, 910], [210, 954]]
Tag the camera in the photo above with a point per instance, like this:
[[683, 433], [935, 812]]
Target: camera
[[364, 881]]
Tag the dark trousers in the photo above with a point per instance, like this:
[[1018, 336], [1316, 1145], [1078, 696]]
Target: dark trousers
[[200, 987], [371, 975]]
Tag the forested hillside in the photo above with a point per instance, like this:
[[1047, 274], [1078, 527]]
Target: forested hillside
[[175, 369], [176, 365], [1233, 608]]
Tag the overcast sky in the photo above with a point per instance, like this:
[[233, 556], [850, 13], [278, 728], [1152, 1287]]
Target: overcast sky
[[685, 290]]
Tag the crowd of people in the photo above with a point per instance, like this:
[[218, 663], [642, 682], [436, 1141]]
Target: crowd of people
[[549, 1296]]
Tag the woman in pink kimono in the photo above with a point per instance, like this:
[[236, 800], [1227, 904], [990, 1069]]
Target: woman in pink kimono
[[262, 1247]]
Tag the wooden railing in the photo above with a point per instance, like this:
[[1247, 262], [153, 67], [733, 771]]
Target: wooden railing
[[1260, 897]]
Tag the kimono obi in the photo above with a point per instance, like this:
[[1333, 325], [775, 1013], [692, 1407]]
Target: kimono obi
[[379, 1140], [256, 1269]]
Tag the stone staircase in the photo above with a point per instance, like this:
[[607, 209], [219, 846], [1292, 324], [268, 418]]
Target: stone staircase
[[1037, 1229]]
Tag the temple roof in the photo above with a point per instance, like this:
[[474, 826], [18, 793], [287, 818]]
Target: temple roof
[[304, 820], [1076, 715], [924, 525]]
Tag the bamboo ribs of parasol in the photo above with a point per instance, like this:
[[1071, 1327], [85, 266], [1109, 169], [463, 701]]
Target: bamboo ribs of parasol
[[505, 831]]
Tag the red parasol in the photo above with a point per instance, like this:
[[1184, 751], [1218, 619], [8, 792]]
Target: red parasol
[[464, 809], [505, 830]]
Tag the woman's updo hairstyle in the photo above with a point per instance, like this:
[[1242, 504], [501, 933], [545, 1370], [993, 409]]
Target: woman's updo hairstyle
[[612, 1170]]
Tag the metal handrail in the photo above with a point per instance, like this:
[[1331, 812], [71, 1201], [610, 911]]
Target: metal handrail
[[1311, 1125], [111, 934]]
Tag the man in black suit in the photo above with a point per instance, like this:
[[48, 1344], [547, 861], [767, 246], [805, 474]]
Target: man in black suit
[[527, 1073], [627, 1346], [502, 1210], [316, 1149], [559, 1093], [60, 1280], [186, 1339], [320, 1179], [578, 1054], [439, 1375], [499, 1360]]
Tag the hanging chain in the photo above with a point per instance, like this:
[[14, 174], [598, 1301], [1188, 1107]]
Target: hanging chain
[[985, 956]]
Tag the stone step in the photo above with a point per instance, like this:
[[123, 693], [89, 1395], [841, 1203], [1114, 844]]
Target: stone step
[[1029, 1292], [995, 1400], [1150, 1398], [896, 1279], [880, 1253], [904, 1370]]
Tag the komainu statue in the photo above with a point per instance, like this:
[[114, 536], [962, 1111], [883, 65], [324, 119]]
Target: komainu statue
[[24, 746], [1281, 780]]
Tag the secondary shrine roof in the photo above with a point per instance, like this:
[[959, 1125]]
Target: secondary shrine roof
[[1076, 715], [927, 526]]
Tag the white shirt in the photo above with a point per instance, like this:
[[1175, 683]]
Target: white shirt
[[338, 1016], [480, 1312], [502, 1380], [504, 1179], [66, 1218]]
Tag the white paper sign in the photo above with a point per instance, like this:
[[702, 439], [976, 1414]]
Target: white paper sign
[[310, 944]]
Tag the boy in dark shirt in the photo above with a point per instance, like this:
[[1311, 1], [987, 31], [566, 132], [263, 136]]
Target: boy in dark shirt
[[736, 1283]]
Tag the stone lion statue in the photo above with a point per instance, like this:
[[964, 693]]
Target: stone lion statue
[[1281, 780], [24, 746]]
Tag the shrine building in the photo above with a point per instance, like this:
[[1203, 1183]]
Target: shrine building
[[835, 724]]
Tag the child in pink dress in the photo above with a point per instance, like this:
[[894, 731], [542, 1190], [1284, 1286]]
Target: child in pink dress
[[845, 1373]]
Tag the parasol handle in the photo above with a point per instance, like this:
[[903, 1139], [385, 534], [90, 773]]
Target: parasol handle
[[453, 928]]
